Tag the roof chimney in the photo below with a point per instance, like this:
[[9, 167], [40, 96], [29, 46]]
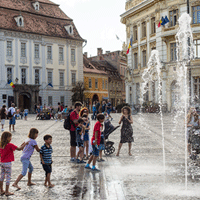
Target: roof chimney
[[99, 51]]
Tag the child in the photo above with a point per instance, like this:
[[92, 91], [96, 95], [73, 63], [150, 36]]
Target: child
[[3, 116], [46, 159], [101, 146], [95, 142], [7, 156], [80, 129], [25, 158], [26, 114], [86, 135]]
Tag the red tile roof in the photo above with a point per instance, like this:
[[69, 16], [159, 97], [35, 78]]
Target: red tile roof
[[49, 20]]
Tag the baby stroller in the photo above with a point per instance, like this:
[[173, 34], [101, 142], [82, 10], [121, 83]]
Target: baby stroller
[[108, 129], [194, 140]]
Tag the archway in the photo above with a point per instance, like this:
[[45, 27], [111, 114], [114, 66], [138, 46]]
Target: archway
[[24, 101], [95, 98]]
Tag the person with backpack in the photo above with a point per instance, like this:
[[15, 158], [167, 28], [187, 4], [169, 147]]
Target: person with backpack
[[74, 116], [11, 116]]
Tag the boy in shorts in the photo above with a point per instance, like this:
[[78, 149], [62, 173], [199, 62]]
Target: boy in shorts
[[80, 130], [46, 159], [95, 141]]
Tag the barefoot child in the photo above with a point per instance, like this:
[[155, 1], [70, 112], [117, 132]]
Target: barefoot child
[[86, 135], [7, 156], [46, 159], [80, 130], [25, 158], [95, 142]]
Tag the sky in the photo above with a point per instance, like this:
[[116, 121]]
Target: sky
[[97, 21]]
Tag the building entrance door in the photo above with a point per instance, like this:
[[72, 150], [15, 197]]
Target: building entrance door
[[24, 101]]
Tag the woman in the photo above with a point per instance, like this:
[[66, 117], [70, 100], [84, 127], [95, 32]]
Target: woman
[[192, 120], [126, 130], [59, 112]]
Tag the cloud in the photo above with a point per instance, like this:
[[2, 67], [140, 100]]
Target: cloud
[[70, 3]]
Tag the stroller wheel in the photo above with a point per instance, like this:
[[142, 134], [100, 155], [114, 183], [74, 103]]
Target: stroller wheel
[[112, 150], [107, 151]]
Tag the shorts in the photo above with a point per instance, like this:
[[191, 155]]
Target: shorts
[[86, 137], [73, 139], [25, 114], [26, 164], [80, 144], [95, 151], [108, 111], [101, 147], [12, 121], [3, 121], [47, 168]]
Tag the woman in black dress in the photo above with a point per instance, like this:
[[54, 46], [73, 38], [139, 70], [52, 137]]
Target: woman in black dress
[[126, 130]]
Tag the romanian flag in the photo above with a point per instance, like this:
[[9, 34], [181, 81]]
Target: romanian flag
[[163, 21], [11, 83], [160, 22], [130, 45]]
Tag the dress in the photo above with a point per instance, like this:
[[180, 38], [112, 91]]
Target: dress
[[126, 131]]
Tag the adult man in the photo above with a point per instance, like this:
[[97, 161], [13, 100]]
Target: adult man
[[97, 107], [12, 111], [103, 107], [74, 116], [109, 108]]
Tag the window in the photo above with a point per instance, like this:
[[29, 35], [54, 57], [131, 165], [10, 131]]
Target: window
[[50, 75], [196, 14], [103, 84], [135, 61], [197, 86], [23, 75], [9, 48], [49, 52], [90, 83], [61, 54], [9, 74], [62, 99], [50, 101], [144, 57], [73, 78], [23, 49], [144, 29], [96, 83], [153, 25], [37, 53], [173, 17], [73, 58], [37, 76], [173, 51], [106, 84], [134, 33], [197, 48], [61, 78]]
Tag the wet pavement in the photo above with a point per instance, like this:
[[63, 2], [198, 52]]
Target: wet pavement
[[138, 177]]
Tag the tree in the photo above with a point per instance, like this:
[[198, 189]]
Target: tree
[[78, 92]]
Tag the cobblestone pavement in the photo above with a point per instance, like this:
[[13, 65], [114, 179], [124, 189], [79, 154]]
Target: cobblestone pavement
[[138, 177]]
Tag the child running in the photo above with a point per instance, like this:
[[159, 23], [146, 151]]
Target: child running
[[95, 142], [25, 158], [46, 159], [7, 157], [86, 135], [80, 129]]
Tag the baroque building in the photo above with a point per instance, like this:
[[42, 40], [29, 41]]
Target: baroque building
[[40, 52], [141, 19]]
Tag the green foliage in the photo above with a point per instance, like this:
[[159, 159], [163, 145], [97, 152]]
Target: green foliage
[[78, 92]]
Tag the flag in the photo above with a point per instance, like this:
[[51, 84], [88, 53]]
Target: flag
[[130, 45], [163, 21], [50, 84], [117, 37], [11, 83], [166, 19], [159, 24]]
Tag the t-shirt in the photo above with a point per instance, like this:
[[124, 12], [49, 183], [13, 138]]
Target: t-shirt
[[78, 135], [12, 110], [46, 154], [97, 127], [7, 154], [28, 149], [109, 105], [74, 115], [3, 115], [103, 107]]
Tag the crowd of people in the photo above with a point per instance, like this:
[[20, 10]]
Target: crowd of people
[[82, 149]]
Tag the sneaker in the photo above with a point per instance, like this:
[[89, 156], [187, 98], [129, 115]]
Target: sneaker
[[88, 167], [72, 160], [102, 160], [111, 119], [81, 162], [78, 161], [95, 170], [98, 160]]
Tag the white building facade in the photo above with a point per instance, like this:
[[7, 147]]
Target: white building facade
[[141, 19], [41, 52]]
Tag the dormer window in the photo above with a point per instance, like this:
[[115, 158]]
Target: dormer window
[[69, 29], [36, 5], [20, 21]]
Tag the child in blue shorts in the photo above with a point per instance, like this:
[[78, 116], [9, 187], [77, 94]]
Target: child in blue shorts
[[86, 135], [95, 141]]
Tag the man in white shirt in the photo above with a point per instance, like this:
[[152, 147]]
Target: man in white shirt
[[12, 118]]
